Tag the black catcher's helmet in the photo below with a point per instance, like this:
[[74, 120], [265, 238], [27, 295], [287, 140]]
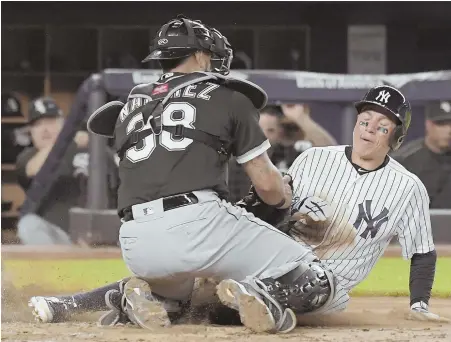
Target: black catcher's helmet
[[391, 102], [181, 37]]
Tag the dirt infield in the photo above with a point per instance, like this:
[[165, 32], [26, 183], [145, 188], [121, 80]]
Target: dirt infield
[[367, 319]]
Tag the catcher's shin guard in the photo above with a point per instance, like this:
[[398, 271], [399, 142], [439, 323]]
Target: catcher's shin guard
[[271, 304], [304, 289]]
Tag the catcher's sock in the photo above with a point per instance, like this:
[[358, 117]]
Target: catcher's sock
[[95, 300]]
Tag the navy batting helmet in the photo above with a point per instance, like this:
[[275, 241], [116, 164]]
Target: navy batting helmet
[[391, 102]]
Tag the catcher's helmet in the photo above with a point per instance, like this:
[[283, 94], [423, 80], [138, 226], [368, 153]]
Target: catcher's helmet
[[391, 102], [181, 37]]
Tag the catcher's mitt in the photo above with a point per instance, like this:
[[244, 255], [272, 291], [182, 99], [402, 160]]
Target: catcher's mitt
[[310, 218], [305, 230], [266, 212]]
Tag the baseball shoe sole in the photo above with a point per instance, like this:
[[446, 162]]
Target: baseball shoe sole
[[142, 307], [254, 313], [42, 311]]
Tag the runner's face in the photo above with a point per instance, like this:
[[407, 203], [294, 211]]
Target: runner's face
[[372, 134]]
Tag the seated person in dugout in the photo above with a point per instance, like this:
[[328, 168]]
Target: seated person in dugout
[[429, 158], [50, 224]]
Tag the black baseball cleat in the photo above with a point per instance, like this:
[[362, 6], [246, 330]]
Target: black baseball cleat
[[114, 299], [51, 309], [258, 310]]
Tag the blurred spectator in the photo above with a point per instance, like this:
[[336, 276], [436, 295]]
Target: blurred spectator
[[283, 135], [270, 123], [50, 225], [291, 131], [430, 157], [313, 132], [299, 132]]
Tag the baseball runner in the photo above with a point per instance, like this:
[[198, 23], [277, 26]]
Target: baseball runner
[[348, 203], [174, 138], [358, 198]]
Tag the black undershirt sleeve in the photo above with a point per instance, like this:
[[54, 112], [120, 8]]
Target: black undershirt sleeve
[[422, 272]]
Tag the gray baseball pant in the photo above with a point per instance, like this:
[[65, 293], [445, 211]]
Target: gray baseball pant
[[209, 239]]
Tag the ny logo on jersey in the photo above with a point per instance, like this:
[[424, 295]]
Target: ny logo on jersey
[[383, 96], [373, 224]]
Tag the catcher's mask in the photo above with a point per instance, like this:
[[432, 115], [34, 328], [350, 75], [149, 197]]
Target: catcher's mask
[[181, 37], [392, 103], [222, 56]]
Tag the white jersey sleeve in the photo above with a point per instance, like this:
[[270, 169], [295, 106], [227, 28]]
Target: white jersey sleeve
[[297, 169], [414, 227]]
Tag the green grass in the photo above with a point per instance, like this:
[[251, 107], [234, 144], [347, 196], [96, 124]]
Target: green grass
[[64, 275], [390, 277]]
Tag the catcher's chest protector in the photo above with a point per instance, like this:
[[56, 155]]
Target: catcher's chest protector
[[103, 120]]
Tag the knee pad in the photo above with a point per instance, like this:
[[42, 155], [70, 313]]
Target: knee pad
[[304, 289]]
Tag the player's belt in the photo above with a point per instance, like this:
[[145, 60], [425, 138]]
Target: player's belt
[[169, 203]]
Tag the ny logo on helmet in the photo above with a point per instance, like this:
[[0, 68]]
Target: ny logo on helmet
[[162, 41], [383, 96]]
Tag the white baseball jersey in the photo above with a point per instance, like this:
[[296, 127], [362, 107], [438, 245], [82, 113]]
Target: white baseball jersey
[[368, 210]]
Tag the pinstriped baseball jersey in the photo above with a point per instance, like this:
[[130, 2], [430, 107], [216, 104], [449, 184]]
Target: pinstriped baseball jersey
[[368, 210]]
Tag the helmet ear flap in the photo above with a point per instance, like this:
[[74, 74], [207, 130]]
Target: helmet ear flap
[[400, 132], [397, 138]]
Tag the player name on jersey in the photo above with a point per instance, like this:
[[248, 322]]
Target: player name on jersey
[[192, 91]]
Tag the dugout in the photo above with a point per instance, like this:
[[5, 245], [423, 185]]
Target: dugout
[[330, 97]]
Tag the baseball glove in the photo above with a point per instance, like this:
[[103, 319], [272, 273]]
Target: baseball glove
[[265, 212], [304, 230], [309, 220]]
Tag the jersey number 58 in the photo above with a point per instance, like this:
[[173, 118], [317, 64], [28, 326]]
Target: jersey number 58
[[187, 119]]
